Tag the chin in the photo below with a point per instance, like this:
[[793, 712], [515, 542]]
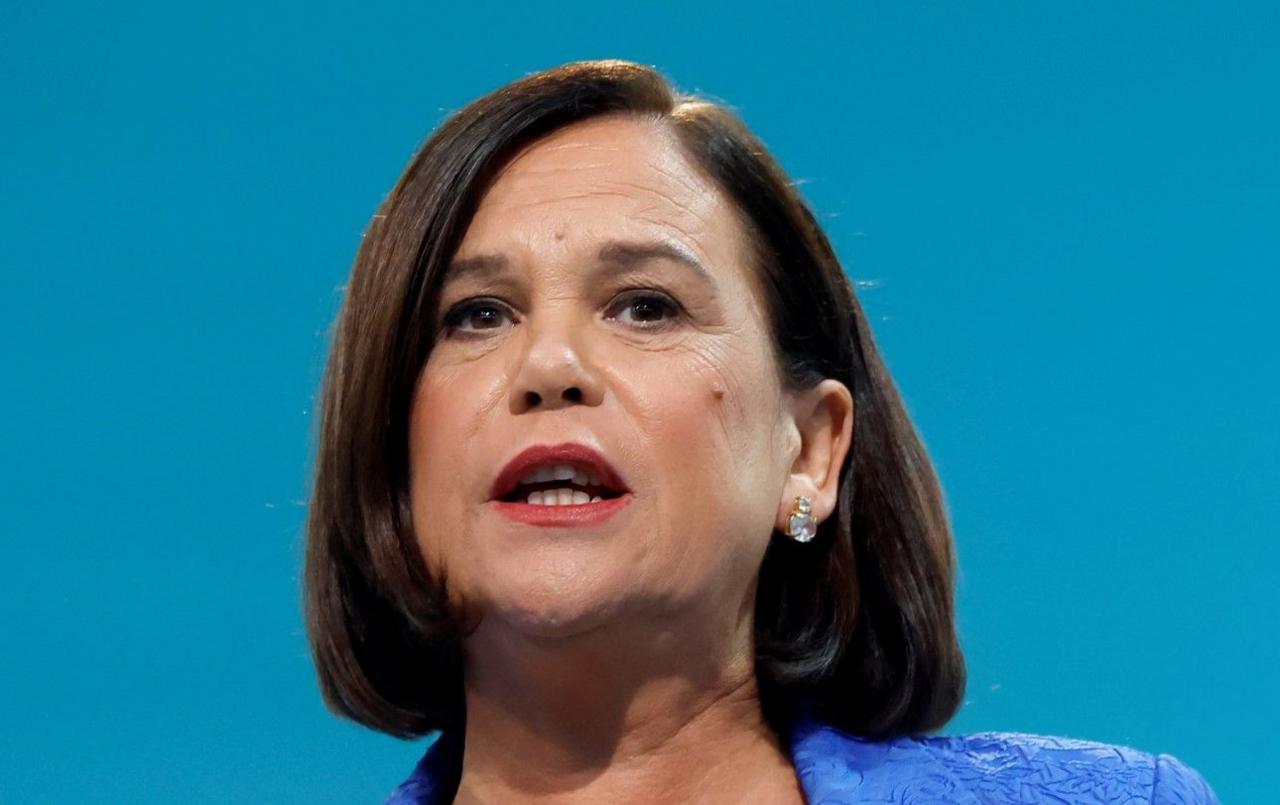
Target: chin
[[550, 611]]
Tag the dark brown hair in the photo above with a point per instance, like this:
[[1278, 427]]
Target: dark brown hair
[[857, 624]]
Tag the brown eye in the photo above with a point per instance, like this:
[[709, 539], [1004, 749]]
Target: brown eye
[[475, 315], [647, 308]]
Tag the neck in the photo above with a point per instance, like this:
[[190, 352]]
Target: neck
[[640, 714]]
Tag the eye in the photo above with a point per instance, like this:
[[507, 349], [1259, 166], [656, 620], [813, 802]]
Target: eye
[[474, 315], [648, 308]]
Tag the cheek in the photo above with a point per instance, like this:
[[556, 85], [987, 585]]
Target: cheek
[[728, 404], [441, 428], [710, 416]]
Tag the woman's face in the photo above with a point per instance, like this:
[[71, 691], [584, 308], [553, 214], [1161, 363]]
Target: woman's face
[[575, 331]]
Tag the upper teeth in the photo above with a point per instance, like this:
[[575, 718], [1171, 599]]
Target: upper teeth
[[562, 496], [561, 472]]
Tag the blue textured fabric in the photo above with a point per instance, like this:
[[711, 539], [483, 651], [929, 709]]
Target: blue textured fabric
[[992, 768]]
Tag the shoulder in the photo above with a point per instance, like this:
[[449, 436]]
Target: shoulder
[[434, 779], [1009, 763], [990, 767]]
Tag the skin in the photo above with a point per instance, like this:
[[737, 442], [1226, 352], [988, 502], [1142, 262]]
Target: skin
[[615, 663]]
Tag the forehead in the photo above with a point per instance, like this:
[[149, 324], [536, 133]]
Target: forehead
[[600, 178]]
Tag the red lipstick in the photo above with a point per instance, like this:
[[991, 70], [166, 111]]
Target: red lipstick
[[581, 514]]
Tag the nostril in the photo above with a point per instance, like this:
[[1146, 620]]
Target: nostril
[[573, 394]]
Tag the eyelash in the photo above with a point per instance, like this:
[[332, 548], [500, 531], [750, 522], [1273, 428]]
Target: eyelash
[[459, 312]]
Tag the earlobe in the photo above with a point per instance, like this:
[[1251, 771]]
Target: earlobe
[[801, 525], [824, 417]]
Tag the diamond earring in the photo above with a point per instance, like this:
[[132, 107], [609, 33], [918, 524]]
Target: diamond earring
[[801, 526]]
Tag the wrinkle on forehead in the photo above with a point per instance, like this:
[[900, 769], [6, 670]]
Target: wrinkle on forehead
[[519, 192], [619, 171], [628, 164], [614, 176]]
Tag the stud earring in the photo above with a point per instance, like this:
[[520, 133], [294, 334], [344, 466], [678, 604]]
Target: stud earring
[[801, 526]]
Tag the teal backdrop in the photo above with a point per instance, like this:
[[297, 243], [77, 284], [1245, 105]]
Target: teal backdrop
[[1062, 219]]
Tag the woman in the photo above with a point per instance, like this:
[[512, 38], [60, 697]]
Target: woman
[[613, 489]]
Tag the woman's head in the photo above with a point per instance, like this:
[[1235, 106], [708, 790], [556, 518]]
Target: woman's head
[[605, 293], [585, 256]]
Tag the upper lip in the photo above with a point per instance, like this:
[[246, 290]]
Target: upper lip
[[539, 455]]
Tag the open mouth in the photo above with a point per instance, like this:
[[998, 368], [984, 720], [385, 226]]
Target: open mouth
[[569, 493], [561, 485]]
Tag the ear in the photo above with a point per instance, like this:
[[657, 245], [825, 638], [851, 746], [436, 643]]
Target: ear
[[823, 418]]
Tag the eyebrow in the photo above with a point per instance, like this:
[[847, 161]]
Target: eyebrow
[[617, 254]]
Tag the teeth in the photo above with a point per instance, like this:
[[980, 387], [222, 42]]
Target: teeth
[[561, 497], [538, 476], [562, 472]]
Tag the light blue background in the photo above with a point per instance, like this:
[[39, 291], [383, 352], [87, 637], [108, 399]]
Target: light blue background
[[1064, 219]]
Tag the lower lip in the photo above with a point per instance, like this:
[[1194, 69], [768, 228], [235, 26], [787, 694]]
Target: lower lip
[[575, 515]]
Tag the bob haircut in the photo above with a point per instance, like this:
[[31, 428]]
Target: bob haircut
[[857, 625]]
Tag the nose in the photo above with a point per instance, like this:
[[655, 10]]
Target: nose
[[553, 371]]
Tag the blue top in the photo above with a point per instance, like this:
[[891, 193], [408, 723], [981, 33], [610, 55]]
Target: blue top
[[835, 768]]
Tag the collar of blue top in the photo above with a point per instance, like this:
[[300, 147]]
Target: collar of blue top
[[835, 768], [832, 766]]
